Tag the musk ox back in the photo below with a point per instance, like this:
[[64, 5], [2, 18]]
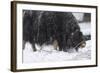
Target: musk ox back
[[48, 27]]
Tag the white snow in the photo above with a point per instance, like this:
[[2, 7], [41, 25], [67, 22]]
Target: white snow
[[47, 55]]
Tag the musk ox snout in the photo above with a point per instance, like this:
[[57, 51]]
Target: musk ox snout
[[82, 44]]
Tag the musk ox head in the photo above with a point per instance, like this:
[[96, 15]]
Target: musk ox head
[[76, 40]]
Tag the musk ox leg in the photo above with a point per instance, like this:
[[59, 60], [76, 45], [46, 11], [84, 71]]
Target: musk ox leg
[[59, 40], [33, 46], [60, 48], [62, 42]]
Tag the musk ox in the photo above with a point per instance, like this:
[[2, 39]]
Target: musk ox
[[60, 29]]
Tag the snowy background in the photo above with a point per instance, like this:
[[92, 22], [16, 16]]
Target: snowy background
[[48, 54]]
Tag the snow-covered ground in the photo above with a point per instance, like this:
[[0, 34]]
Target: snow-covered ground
[[53, 55], [48, 54]]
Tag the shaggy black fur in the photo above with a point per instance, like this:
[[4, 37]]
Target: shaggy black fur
[[43, 27]]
